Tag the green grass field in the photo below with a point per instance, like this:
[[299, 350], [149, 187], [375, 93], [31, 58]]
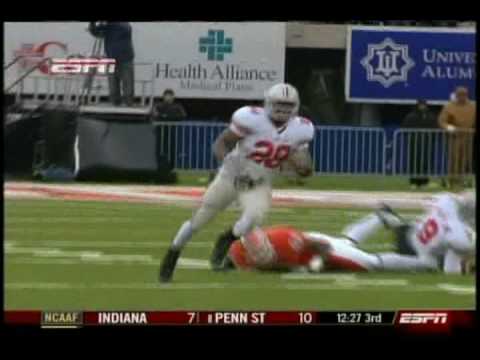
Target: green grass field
[[331, 182], [319, 182], [79, 255]]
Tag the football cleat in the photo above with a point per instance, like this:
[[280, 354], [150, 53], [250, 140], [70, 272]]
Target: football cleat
[[221, 249], [389, 217], [168, 265]]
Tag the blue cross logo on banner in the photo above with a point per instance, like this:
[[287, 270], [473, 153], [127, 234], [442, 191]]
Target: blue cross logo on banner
[[216, 45]]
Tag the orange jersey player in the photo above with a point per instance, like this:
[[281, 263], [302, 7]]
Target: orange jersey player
[[285, 248], [443, 238]]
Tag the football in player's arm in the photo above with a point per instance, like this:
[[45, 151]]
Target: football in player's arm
[[301, 161]]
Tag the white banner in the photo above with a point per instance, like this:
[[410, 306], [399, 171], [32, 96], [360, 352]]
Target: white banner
[[196, 59]]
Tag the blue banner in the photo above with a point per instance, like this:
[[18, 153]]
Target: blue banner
[[401, 65]]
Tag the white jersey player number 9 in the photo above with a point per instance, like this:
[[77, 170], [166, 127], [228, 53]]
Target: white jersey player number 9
[[428, 231], [442, 228]]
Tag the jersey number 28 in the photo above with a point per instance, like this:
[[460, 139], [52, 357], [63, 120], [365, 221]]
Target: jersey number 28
[[271, 156], [430, 229]]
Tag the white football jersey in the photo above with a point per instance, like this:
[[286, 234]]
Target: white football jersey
[[441, 229], [263, 146]]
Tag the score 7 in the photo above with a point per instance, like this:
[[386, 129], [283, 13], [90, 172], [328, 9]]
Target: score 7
[[192, 317]]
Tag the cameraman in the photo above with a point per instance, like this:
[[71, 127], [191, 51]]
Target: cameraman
[[119, 46]]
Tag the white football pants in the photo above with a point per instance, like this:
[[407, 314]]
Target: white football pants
[[254, 203]]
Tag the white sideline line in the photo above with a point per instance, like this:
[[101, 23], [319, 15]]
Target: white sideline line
[[150, 195]]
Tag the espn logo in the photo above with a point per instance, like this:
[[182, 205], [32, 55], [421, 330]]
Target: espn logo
[[423, 318], [82, 66]]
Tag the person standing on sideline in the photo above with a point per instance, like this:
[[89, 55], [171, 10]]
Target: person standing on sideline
[[458, 119], [119, 46]]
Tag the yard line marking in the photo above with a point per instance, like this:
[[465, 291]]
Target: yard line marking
[[10, 250], [42, 286], [193, 263], [95, 260], [457, 289], [209, 286], [411, 288], [326, 276], [107, 244], [346, 279], [53, 261], [136, 244], [372, 282], [93, 257]]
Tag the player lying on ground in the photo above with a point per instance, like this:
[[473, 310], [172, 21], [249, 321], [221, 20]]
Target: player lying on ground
[[262, 139], [445, 233]]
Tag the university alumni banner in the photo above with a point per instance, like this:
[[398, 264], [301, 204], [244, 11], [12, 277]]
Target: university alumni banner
[[401, 65]]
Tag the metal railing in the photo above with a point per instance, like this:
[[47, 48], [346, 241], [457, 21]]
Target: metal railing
[[338, 150], [188, 145], [347, 150], [25, 74], [69, 89], [14, 61], [433, 152]]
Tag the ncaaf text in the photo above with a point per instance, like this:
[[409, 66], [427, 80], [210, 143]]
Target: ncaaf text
[[64, 319]]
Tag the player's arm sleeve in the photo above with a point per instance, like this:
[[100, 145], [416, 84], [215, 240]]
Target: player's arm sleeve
[[225, 142], [242, 122], [452, 263], [308, 132]]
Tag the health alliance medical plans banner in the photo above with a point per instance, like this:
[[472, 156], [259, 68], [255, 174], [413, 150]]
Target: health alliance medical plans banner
[[401, 65], [220, 60]]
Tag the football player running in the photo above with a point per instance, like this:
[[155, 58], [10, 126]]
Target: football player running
[[444, 234], [262, 140]]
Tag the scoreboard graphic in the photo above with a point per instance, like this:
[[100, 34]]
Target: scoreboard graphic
[[428, 320]]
